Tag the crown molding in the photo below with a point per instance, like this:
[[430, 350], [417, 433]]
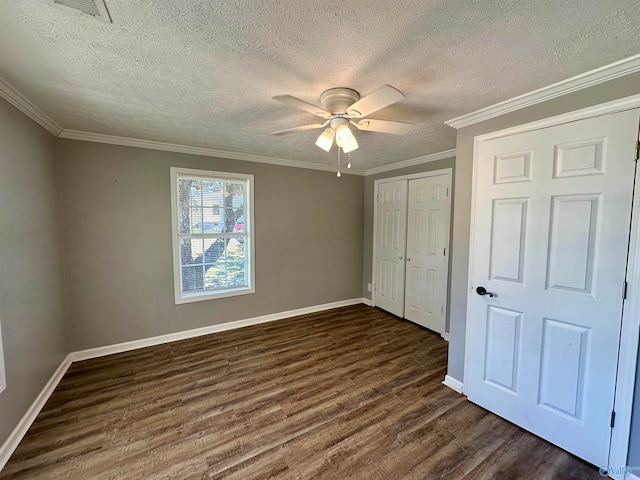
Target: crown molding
[[15, 98], [412, 161], [206, 152], [612, 71]]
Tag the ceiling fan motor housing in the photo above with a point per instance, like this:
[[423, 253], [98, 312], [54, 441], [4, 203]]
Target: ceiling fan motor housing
[[337, 121], [337, 100]]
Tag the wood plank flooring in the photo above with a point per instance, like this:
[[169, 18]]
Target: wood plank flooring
[[350, 393]]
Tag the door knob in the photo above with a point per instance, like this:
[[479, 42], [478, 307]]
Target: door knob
[[408, 259], [483, 291]]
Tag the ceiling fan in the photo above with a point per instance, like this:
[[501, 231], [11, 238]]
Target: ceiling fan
[[343, 106]]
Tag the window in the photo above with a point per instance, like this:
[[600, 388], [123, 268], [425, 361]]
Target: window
[[212, 222]]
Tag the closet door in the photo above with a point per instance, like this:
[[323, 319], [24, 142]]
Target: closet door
[[426, 258], [391, 232]]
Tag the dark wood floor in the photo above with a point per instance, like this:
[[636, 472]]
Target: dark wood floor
[[351, 393]]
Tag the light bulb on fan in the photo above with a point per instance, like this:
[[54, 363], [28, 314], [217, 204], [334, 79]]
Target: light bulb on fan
[[325, 140], [342, 135], [349, 144]]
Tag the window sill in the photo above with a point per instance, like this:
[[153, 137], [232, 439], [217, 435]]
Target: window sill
[[203, 296]]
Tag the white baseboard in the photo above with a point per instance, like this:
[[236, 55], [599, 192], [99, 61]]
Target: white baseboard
[[445, 335], [453, 384], [25, 422], [367, 302], [630, 476], [197, 332], [12, 442]]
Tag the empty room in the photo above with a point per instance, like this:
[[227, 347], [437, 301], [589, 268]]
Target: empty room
[[319, 240]]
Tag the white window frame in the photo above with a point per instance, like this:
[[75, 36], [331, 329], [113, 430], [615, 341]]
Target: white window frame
[[181, 297], [3, 377]]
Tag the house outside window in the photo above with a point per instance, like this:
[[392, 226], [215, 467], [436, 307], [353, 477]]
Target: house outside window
[[213, 238]]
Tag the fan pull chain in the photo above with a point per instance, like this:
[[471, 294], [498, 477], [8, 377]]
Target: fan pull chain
[[349, 161], [338, 174]]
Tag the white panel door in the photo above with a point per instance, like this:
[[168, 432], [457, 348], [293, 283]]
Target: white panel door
[[551, 230], [427, 241], [391, 226]]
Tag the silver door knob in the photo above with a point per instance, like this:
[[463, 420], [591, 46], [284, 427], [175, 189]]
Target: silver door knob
[[400, 258], [408, 259]]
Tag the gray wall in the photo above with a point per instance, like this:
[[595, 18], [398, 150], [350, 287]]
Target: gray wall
[[604, 92], [117, 242], [369, 201], [31, 309]]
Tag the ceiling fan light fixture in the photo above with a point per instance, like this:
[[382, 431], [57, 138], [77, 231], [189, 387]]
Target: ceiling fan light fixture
[[350, 144], [342, 135], [325, 140]]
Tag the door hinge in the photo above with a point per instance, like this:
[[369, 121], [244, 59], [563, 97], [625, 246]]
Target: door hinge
[[624, 290], [613, 418], [448, 187], [444, 252], [638, 150], [441, 309]]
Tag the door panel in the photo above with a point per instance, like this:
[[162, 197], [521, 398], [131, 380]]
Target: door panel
[[574, 223], [502, 348], [564, 354], [390, 246], [427, 240], [508, 231], [552, 213]]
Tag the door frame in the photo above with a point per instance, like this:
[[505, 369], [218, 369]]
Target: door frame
[[413, 176], [628, 352]]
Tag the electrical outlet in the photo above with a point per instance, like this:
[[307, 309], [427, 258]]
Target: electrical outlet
[[369, 287]]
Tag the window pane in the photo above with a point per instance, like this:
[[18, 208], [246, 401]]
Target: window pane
[[213, 249], [236, 261], [195, 220], [212, 202], [238, 227], [190, 205], [192, 278], [191, 251], [234, 196], [215, 263], [229, 268]]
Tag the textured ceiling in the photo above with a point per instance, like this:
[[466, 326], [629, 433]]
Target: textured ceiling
[[202, 73]]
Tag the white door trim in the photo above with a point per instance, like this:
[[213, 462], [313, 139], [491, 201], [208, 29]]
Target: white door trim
[[628, 353], [413, 176]]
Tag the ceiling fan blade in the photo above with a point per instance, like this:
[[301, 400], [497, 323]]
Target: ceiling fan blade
[[380, 98], [300, 129], [302, 105], [384, 126]]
